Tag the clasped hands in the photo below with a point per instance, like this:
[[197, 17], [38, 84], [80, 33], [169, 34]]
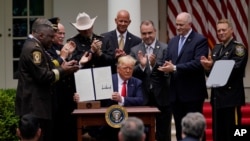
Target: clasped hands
[[96, 47], [167, 67]]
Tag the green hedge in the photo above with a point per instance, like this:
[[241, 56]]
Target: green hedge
[[8, 119]]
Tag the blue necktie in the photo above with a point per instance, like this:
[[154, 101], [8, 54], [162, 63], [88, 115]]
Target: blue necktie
[[181, 42]]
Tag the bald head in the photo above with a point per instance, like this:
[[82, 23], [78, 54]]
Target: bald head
[[183, 23], [185, 17], [122, 13], [122, 21]]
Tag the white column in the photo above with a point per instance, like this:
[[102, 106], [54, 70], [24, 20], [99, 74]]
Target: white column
[[132, 6]]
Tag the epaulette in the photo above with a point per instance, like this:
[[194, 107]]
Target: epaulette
[[237, 42], [36, 44]]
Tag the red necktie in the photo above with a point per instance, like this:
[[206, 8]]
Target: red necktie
[[124, 91]]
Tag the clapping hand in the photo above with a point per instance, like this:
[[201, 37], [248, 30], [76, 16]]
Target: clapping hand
[[206, 62], [85, 58], [167, 67], [67, 49], [96, 46], [142, 58], [152, 59], [119, 53], [70, 66]]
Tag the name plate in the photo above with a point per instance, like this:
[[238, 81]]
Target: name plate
[[89, 105]]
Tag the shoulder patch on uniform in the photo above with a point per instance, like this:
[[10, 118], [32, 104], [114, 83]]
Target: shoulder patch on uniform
[[36, 44], [37, 57], [239, 50]]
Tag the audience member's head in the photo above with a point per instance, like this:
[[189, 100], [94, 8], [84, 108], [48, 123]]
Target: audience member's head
[[29, 128], [193, 125], [132, 129]]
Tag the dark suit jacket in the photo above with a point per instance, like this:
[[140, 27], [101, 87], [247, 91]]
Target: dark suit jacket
[[188, 82], [158, 80], [134, 93], [111, 39]]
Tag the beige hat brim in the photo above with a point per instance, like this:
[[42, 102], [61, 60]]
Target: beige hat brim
[[84, 27]]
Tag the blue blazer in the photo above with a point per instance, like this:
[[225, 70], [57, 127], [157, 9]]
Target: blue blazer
[[188, 82], [134, 93]]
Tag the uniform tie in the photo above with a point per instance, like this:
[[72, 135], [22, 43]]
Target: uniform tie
[[121, 42], [124, 89]]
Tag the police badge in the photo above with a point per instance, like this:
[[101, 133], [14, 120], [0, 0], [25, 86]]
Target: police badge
[[115, 115], [239, 50]]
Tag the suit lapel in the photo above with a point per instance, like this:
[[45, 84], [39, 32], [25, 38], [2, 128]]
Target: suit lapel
[[114, 39], [115, 82], [188, 40], [130, 87], [156, 48]]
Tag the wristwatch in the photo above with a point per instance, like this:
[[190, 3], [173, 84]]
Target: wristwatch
[[175, 68]]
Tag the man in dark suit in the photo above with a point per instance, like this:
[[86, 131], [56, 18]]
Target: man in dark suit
[[120, 45], [187, 81], [133, 96], [227, 100], [150, 55]]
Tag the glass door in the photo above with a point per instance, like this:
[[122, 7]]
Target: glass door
[[18, 21]]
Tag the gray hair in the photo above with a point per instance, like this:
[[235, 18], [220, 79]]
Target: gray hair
[[193, 124], [132, 129], [186, 15], [40, 21]]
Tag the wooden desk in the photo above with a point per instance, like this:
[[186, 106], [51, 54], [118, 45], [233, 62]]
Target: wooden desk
[[93, 117]]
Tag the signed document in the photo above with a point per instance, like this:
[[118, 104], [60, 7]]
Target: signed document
[[94, 83]]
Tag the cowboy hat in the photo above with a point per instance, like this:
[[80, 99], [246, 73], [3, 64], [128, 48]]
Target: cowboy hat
[[83, 21]]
